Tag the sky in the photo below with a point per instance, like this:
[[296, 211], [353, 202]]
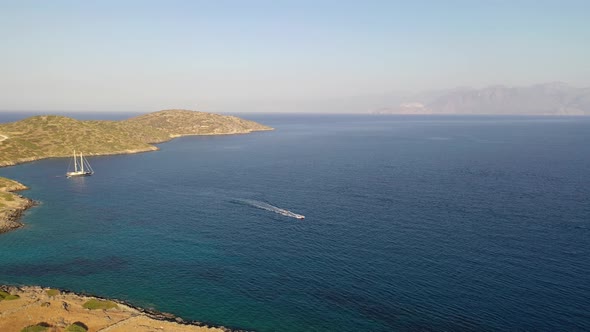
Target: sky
[[277, 55]]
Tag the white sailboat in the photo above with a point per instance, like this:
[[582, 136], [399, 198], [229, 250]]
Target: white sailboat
[[81, 167]]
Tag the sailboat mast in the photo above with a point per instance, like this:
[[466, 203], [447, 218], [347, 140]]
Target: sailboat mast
[[81, 162], [75, 162]]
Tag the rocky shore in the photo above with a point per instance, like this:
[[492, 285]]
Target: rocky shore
[[12, 205], [36, 308], [10, 219]]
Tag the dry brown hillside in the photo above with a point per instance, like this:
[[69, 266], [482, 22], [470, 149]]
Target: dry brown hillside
[[46, 136], [52, 310], [183, 122]]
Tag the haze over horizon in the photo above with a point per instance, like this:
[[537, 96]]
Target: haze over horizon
[[231, 56]]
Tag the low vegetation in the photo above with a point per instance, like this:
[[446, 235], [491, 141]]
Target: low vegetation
[[7, 197], [58, 136], [77, 327], [40, 327], [10, 185], [174, 123], [7, 296], [52, 292], [95, 304]]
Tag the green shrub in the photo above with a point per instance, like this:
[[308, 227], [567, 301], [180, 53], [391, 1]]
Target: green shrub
[[36, 328], [52, 292], [3, 294], [94, 304], [11, 297], [77, 327]]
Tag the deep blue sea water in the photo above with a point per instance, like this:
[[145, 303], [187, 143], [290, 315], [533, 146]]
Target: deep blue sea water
[[412, 223]]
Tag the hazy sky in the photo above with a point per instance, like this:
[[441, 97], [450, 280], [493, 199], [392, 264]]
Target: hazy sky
[[149, 55]]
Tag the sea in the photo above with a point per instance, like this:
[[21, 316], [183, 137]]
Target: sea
[[412, 223]]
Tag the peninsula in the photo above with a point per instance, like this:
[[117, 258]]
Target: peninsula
[[47, 136]]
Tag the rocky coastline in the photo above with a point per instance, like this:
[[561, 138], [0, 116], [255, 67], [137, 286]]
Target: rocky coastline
[[10, 220], [12, 205], [26, 306]]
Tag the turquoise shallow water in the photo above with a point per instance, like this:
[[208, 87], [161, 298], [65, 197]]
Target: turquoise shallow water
[[412, 223]]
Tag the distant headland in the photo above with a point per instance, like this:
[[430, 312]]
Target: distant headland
[[46, 136]]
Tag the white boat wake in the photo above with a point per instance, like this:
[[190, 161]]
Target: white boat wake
[[272, 208]]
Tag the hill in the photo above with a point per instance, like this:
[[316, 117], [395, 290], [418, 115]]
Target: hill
[[46, 136], [175, 123], [541, 99]]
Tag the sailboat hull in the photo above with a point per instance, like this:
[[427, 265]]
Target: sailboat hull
[[71, 174]]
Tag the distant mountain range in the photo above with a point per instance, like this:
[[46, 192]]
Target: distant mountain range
[[541, 99]]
